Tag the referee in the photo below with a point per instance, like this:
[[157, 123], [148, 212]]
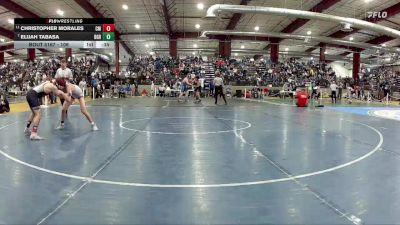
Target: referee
[[218, 84], [334, 88], [65, 73]]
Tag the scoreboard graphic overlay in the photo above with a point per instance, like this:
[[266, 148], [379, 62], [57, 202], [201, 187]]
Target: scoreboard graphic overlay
[[64, 33]]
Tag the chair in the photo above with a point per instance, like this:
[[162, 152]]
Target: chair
[[228, 91], [239, 94]]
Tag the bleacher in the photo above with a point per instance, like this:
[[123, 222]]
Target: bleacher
[[208, 71], [262, 69], [252, 69], [158, 79], [396, 94]]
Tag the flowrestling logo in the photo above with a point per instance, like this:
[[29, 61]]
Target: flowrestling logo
[[379, 15]]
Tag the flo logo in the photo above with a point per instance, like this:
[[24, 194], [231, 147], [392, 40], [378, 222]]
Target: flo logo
[[380, 15]]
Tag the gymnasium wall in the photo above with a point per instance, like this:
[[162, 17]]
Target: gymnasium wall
[[341, 70]]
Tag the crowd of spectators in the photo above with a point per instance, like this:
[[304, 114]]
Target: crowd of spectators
[[161, 70], [146, 70], [243, 72], [383, 80], [21, 76], [18, 77]]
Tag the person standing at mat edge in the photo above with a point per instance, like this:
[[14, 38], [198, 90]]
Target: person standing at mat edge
[[218, 84], [4, 105], [333, 88], [65, 73], [33, 98]]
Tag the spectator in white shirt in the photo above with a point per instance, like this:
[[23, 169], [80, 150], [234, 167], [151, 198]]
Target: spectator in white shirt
[[350, 93], [161, 90], [333, 88], [316, 94], [83, 86], [65, 73]]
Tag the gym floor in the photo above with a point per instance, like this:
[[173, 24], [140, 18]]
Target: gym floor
[[157, 161]]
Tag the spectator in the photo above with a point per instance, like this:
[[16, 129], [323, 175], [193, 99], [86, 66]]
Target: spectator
[[161, 90], [4, 105], [378, 82], [83, 86], [340, 88], [350, 91], [333, 88]]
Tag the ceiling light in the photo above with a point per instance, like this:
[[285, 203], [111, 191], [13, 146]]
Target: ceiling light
[[256, 28], [60, 12], [346, 27], [146, 45], [309, 32], [2, 40], [137, 26], [236, 54], [312, 58], [11, 21], [119, 61], [125, 7], [286, 49], [110, 53], [200, 6], [194, 53], [351, 38], [151, 53], [194, 45], [73, 56], [398, 49], [326, 52], [197, 26], [366, 1], [60, 49], [15, 60], [242, 46]]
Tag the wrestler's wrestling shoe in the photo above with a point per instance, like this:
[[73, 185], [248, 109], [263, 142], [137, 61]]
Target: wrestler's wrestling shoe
[[36, 137], [60, 127], [27, 132], [94, 127]]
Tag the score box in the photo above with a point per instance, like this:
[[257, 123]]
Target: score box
[[108, 36], [108, 27]]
